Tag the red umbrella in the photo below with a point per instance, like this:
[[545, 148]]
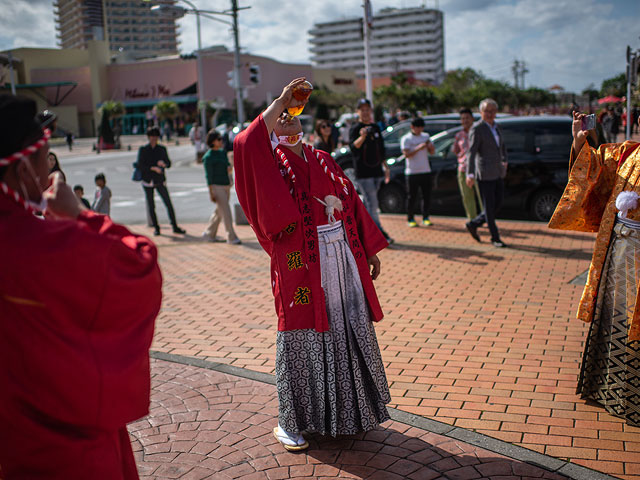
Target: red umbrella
[[609, 99]]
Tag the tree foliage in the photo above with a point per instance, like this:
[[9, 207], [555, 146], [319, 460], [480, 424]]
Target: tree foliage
[[460, 88], [112, 108], [167, 110], [616, 86]]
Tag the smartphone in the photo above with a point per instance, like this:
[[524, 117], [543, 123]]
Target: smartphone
[[589, 122]]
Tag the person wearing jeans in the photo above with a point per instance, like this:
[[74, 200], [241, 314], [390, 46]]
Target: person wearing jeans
[[415, 145], [217, 170], [367, 146], [152, 161]]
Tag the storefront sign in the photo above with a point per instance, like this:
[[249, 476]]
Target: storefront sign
[[152, 91]]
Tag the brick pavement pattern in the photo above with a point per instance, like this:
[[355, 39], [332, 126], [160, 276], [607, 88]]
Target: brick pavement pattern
[[206, 424], [477, 337]]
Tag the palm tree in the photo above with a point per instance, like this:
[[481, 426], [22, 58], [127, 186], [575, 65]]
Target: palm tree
[[109, 109], [167, 110]]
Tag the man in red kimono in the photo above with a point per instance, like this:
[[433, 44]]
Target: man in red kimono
[[78, 299], [323, 244]]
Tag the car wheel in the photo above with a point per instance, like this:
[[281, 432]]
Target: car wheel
[[391, 199], [543, 204]]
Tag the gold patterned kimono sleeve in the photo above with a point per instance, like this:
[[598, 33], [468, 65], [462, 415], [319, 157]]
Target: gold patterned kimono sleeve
[[591, 178], [588, 205]]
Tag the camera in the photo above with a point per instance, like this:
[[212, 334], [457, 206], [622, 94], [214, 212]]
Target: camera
[[588, 122], [371, 130]]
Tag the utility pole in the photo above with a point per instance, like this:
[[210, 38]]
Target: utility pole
[[201, 101], [368, 19], [516, 73], [632, 77], [236, 67]]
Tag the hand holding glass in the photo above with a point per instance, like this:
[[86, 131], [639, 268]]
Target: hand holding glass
[[301, 93]]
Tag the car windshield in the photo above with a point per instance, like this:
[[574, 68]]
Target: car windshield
[[443, 141], [393, 133]]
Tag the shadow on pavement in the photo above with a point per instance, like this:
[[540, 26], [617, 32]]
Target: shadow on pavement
[[455, 254], [554, 252], [549, 232], [385, 453]]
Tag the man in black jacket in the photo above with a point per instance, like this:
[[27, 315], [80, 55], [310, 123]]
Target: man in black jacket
[[370, 165], [152, 161]]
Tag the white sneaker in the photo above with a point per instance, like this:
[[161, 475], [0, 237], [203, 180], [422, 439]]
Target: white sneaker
[[235, 242], [290, 441]]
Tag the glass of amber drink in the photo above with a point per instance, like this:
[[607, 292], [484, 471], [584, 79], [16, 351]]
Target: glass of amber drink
[[300, 93]]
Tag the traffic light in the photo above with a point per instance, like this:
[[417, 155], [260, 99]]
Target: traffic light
[[254, 73], [231, 79]]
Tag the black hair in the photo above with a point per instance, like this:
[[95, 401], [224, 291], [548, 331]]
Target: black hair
[[78, 187], [56, 165], [100, 176], [153, 132], [212, 136], [417, 122], [465, 110], [18, 125]]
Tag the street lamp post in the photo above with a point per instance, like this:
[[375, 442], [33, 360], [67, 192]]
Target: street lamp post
[[179, 12], [236, 65]]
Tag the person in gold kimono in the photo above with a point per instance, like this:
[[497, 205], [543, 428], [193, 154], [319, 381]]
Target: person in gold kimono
[[602, 196]]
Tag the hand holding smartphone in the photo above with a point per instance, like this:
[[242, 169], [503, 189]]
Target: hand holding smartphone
[[589, 122]]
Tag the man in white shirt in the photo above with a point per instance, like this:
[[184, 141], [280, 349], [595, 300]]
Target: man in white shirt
[[415, 146]]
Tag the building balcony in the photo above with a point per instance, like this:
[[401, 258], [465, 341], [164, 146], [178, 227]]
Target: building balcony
[[337, 39], [404, 20], [383, 46], [338, 27]]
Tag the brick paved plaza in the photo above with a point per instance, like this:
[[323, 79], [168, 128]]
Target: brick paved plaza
[[480, 344]]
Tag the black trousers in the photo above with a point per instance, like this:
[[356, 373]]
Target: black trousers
[[151, 204], [492, 193], [415, 182]]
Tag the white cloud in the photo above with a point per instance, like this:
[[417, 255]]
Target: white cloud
[[565, 42], [27, 24]]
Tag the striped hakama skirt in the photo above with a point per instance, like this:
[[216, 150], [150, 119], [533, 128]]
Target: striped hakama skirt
[[333, 382]]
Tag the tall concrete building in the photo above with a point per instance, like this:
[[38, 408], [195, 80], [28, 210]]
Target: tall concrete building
[[402, 40], [129, 27]]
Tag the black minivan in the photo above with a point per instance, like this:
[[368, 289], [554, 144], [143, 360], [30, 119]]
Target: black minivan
[[538, 153]]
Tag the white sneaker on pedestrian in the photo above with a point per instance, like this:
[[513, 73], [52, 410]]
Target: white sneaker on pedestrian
[[234, 242], [290, 441]]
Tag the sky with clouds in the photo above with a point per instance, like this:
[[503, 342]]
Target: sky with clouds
[[572, 43]]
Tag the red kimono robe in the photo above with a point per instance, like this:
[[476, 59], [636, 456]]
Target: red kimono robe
[[284, 215], [78, 302]]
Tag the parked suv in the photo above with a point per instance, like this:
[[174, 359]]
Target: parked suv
[[538, 151]]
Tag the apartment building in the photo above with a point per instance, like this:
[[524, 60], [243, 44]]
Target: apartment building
[[402, 40], [128, 26]]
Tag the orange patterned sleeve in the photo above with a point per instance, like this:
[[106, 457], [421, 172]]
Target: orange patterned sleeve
[[591, 179]]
